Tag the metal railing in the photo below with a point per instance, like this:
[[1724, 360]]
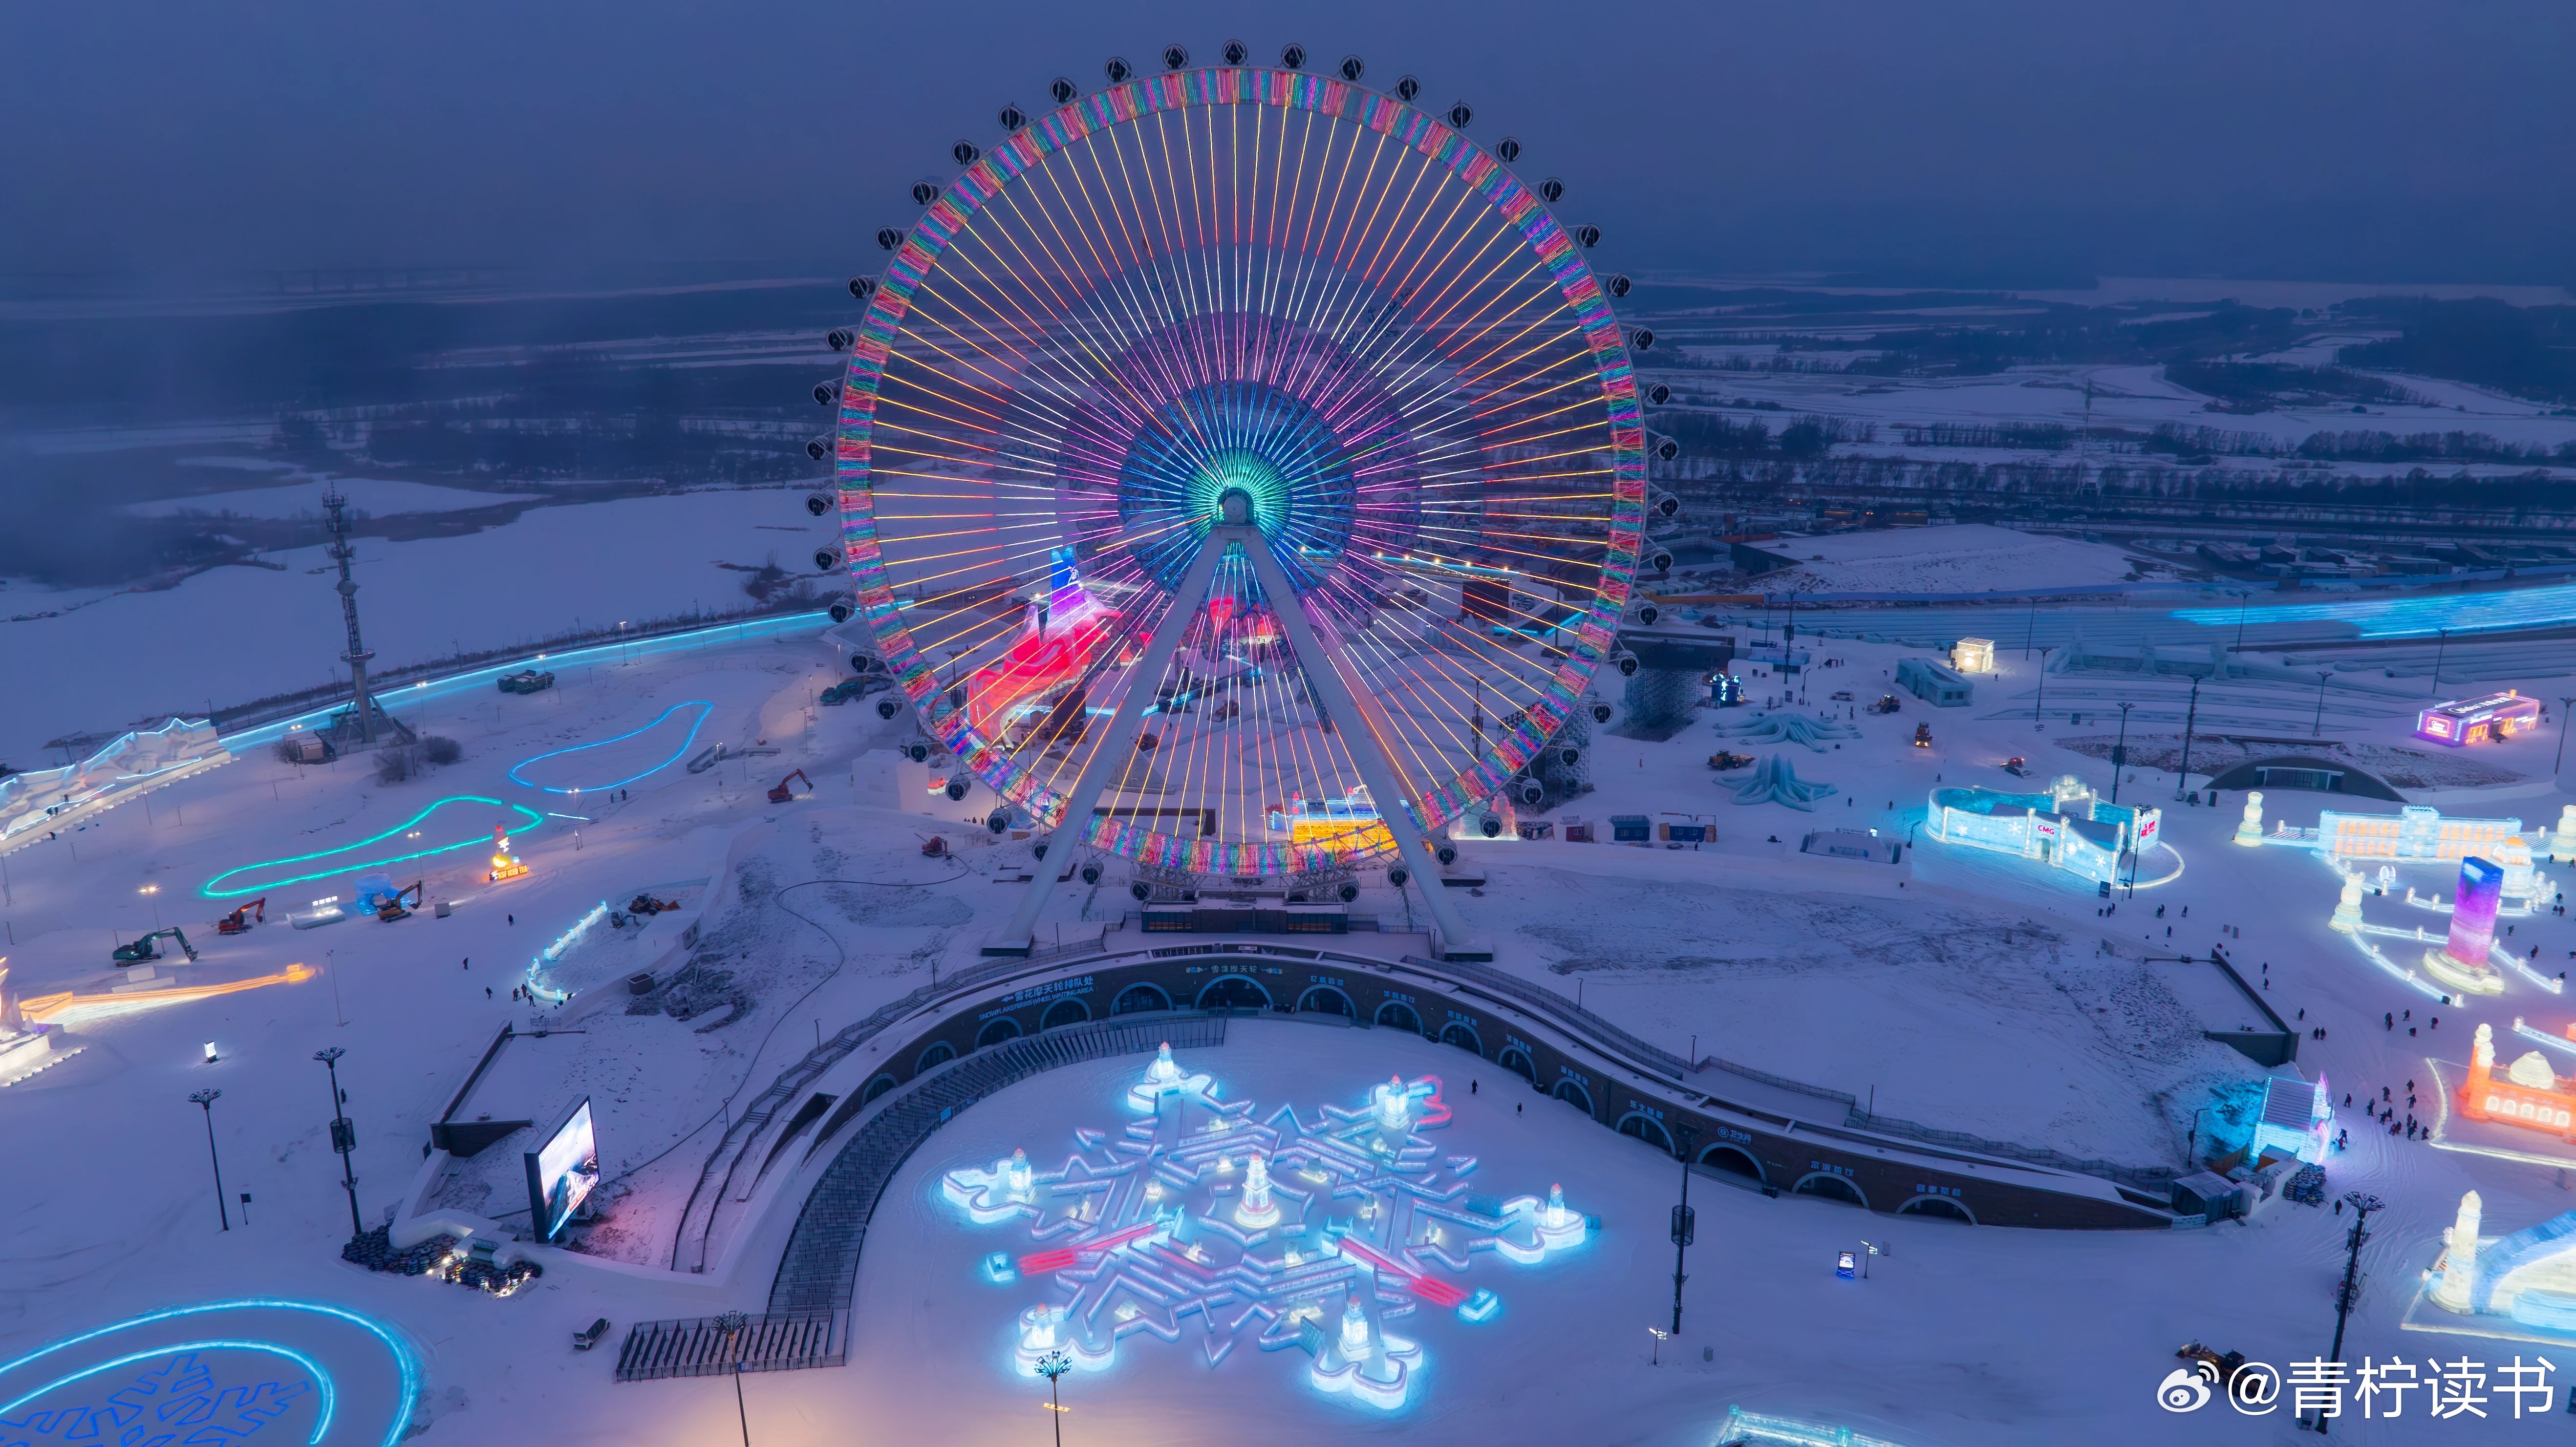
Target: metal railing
[[711, 1346]]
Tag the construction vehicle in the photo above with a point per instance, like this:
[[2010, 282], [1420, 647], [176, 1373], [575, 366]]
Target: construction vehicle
[[239, 921], [648, 905], [2017, 766], [782, 793], [841, 693], [1886, 704], [1722, 760], [2220, 1368], [142, 949], [935, 847], [390, 907], [526, 680], [1923, 736]]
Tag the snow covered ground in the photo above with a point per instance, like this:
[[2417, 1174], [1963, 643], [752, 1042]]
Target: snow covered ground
[[235, 634], [1964, 558], [299, 495], [1947, 990]]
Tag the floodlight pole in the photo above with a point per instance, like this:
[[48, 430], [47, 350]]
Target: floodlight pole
[[2561, 761], [1317, 657], [1684, 1230], [2318, 728], [2190, 719], [732, 1323], [205, 1100], [2362, 1203], [344, 1137], [2120, 752]]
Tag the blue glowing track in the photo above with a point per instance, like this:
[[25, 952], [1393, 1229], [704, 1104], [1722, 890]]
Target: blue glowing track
[[2413, 617], [528, 819], [704, 709], [73, 1369]]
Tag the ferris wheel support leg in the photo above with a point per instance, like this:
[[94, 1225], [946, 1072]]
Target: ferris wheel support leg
[[1116, 748], [1319, 657]]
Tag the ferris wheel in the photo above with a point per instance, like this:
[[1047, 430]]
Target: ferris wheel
[[1241, 470]]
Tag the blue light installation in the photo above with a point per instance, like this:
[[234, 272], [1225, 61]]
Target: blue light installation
[[703, 707], [2412, 617], [1333, 1235], [528, 819], [72, 1417]]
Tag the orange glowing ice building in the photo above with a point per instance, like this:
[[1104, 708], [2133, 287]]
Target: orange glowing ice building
[[2528, 1093]]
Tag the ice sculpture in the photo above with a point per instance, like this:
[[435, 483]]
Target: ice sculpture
[[1786, 728], [1205, 1224], [2347, 912], [2462, 959], [2249, 825], [1774, 781], [1163, 1077]]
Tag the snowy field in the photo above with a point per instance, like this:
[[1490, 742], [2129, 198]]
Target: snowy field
[[297, 494], [1961, 991], [235, 634]]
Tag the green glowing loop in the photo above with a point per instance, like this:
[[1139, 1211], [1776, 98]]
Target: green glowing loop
[[1246, 472], [529, 819]]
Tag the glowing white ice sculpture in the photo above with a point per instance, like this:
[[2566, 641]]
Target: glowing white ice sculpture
[[1163, 1077], [2249, 825], [1394, 1103], [2347, 914], [1042, 1330], [991, 1196], [1366, 1361], [1256, 1210]]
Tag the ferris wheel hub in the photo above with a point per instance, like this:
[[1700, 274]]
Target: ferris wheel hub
[[1235, 506]]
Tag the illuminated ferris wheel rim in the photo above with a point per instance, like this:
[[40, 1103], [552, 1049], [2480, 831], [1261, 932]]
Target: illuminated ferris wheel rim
[[1511, 746]]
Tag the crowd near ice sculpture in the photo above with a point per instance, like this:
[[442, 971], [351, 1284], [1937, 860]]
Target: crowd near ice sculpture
[[40, 800], [1775, 781], [2069, 827], [1786, 728], [1329, 1234], [2527, 1278]]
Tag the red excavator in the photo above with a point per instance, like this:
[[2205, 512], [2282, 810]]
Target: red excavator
[[389, 907], [239, 921], [782, 793]]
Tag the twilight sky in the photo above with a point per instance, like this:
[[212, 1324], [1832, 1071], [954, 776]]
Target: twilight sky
[[1988, 141]]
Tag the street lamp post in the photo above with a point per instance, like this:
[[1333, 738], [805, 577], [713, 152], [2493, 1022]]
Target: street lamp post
[[2318, 729], [344, 1136], [1051, 1366], [2438, 650], [2120, 752], [2190, 719], [2362, 1203], [1685, 1230], [732, 1324], [205, 1100], [2561, 763], [2042, 697]]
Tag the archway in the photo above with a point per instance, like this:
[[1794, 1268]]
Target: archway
[[1398, 1015], [876, 1087], [1064, 1012], [1573, 1094], [1136, 999], [1830, 1186], [996, 1030], [1233, 992], [1648, 1129], [1731, 1158], [1941, 1206], [1517, 1062], [939, 1053], [1456, 1033], [1325, 1000]]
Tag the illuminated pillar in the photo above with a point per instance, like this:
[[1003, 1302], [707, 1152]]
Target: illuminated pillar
[[1355, 1330], [2562, 844], [1017, 1178], [2473, 913], [2460, 1262], [1393, 1102], [2473, 1093], [2347, 913], [1256, 1208], [2519, 880], [1165, 1071], [1556, 1205], [2249, 826]]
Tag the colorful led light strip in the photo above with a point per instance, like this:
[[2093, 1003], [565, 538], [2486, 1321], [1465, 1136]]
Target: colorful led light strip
[[704, 709], [408, 1367], [530, 819], [323, 1386]]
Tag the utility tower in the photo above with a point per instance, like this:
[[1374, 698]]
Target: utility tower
[[366, 721]]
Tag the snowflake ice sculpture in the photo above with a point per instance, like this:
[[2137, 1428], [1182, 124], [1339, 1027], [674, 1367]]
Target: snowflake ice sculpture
[[1313, 1234]]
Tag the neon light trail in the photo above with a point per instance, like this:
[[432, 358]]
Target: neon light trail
[[263, 880], [1327, 1234], [698, 721], [2411, 617]]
